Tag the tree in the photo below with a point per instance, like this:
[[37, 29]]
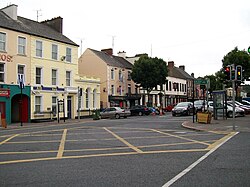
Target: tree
[[238, 57], [149, 72], [216, 81]]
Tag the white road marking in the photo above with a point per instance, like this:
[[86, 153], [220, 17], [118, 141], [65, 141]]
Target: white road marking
[[189, 168]]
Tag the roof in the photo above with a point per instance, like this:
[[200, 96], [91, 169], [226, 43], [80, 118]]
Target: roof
[[112, 60], [178, 73], [34, 28]]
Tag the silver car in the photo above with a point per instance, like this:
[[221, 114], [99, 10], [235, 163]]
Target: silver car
[[115, 112]]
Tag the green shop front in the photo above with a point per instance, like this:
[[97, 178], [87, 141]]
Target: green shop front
[[14, 103]]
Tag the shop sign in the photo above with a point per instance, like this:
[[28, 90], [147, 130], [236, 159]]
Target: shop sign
[[5, 58], [4, 93]]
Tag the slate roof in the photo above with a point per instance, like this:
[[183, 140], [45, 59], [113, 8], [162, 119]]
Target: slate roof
[[112, 60], [178, 73], [31, 27]]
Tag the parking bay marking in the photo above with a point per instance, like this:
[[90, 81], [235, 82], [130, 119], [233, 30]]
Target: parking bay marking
[[124, 141]]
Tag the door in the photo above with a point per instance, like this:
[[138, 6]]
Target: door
[[2, 110], [69, 107]]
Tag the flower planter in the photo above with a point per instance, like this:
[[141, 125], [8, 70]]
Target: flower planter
[[204, 117]]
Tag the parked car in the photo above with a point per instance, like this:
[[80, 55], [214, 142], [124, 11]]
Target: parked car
[[169, 108], [200, 105], [239, 105], [140, 110], [239, 112], [115, 112], [183, 108], [245, 102]]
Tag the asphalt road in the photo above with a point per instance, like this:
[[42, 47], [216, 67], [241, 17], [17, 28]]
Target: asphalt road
[[137, 151]]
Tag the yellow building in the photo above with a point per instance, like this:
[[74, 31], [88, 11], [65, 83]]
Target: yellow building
[[52, 69]]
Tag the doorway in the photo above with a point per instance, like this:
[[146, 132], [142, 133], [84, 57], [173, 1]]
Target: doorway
[[19, 110], [69, 107]]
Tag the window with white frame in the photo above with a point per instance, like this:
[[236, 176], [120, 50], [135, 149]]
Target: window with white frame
[[54, 53], [1, 72], [68, 78], [120, 76], [54, 105], [54, 76], [21, 45], [39, 48], [38, 75], [38, 104], [129, 75], [2, 41], [112, 74], [87, 98], [94, 98], [68, 54], [20, 72]]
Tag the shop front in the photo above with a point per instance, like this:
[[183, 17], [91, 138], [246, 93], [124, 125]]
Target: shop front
[[14, 103]]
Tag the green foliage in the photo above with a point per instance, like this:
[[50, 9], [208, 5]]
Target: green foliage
[[216, 81], [149, 72], [238, 57]]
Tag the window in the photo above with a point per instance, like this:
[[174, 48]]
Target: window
[[68, 78], [68, 54], [87, 98], [129, 75], [38, 75], [120, 76], [54, 50], [54, 77], [1, 72], [112, 89], [120, 90], [129, 88], [21, 45], [54, 105], [2, 41], [39, 49], [170, 86], [20, 73], [94, 99], [112, 74], [38, 104]]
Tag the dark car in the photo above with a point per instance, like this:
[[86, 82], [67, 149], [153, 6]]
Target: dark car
[[200, 105], [183, 109], [140, 110]]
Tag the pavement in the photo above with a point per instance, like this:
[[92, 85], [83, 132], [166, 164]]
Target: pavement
[[239, 124]]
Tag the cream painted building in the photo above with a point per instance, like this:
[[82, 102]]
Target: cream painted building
[[116, 87], [49, 65]]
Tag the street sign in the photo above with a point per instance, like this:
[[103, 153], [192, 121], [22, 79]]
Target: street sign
[[200, 81]]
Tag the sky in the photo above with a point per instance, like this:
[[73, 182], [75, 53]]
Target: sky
[[193, 33]]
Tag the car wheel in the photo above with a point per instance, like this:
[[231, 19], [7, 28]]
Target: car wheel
[[140, 114], [173, 114], [125, 116], [230, 114], [117, 116]]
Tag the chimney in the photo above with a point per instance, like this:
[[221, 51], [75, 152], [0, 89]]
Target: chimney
[[182, 67], [122, 54], [171, 64], [11, 11], [55, 23], [192, 75], [108, 51]]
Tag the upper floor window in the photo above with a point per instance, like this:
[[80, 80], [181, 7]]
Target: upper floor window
[[112, 74], [2, 41], [129, 75], [170, 86], [68, 78], [129, 88], [1, 72], [54, 77], [68, 54], [21, 45], [120, 76], [38, 75], [54, 54], [20, 73], [39, 48]]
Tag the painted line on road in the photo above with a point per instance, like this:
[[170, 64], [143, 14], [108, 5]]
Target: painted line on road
[[189, 168], [61, 147], [181, 137], [123, 141], [8, 139]]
